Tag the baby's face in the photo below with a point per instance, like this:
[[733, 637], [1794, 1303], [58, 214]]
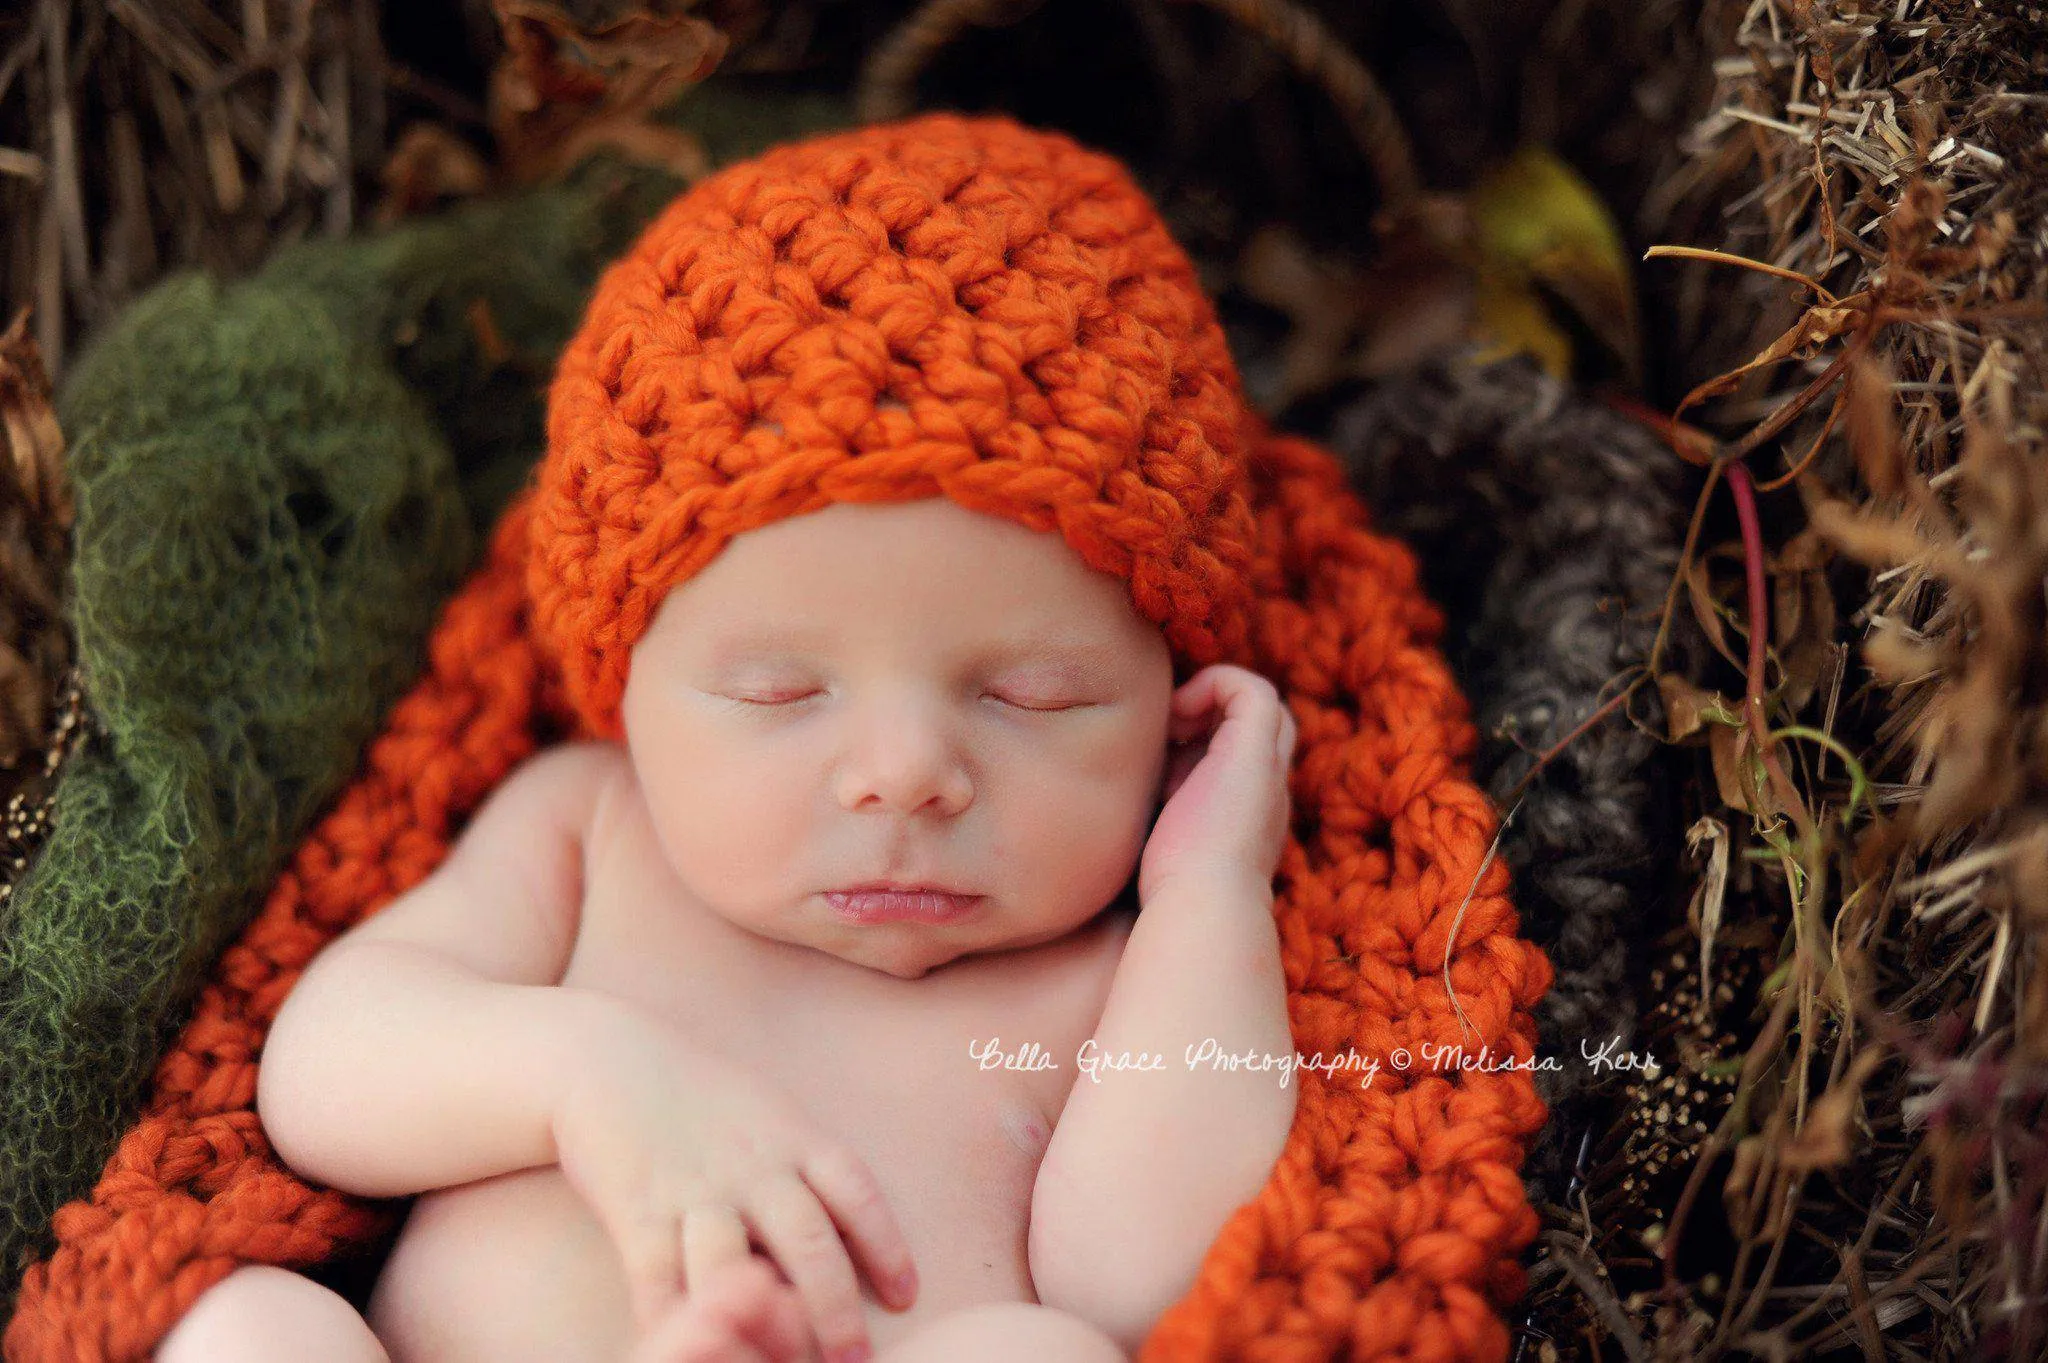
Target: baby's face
[[907, 692]]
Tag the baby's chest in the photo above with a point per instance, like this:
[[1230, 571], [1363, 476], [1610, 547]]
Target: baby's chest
[[930, 1080], [899, 1069], [896, 1063]]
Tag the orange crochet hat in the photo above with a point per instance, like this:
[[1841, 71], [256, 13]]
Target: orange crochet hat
[[968, 308], [943, 306]]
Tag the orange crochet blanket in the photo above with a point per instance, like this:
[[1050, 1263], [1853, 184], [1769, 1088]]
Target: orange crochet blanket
[[1392, 1223]]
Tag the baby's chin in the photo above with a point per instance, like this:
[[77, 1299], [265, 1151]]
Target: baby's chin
[[907, 950]]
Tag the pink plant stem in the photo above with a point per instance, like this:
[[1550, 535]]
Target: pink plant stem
[[1759, 603], [1744, 492]]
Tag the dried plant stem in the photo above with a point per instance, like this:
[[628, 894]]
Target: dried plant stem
[[887, 80], [1782, 417], [1685, 553], [1794, 473], [1723, 1138], [884, 88], [1724, 258], [1350, 84], [1550, 754], [1753, 569]]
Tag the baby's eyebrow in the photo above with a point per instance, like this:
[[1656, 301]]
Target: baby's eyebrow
[[1078, 649], [763, 637], [756, 637]]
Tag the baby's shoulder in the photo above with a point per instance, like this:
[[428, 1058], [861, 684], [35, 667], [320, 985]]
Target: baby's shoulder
[[572, 759], [550, 804], [573, 778]]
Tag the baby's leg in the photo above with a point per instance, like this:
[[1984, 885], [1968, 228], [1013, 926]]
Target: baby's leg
[[1006, 1332], [263, 1314], [749, 1313]]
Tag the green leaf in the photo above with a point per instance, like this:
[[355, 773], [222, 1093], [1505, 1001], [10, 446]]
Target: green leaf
[[1541, 229]]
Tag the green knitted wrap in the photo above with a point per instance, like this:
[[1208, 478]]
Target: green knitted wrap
[[266, 519], [278, 483]]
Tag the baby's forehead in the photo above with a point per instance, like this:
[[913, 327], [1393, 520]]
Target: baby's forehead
[[929, 575]]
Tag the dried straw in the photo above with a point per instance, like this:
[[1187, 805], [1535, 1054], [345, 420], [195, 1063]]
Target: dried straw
[[1878, 1180], [141, 135]]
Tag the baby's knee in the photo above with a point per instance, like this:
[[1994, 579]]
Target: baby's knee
[[262, 1314], [1007, 1332]]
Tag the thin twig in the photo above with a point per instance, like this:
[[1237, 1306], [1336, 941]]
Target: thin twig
[[884, 88], [1349, 83]]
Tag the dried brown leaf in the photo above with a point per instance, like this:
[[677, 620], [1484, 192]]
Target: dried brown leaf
[[1827, 1138], [674, 150], [1909, 228], [1803, 614], [2032, 1047], [1816, 326], [1320, 297], [1423, 314], [1806, 663], [1700, 594], [560, 89], [35, 515], [1739, 1186], [2027, 875], [34, 440], [1881, 541], [1805, 552], [1873, 430], [1788, 606], [1896, 659], [429, 164], [1687, 707], [1977, 761], [1705, 910], [1735, 777], [1954, 1171]]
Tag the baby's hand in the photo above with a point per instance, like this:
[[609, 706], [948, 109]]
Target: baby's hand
[[679, 1152], [1226, 807], [744, 1313]]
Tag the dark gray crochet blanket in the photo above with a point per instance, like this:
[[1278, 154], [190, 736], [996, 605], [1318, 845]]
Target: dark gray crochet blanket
[[1549, 527]]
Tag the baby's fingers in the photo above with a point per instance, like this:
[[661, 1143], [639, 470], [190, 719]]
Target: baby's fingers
[[742, 1313], [1239, 703], [856, 1202], [713, 1237], [652, 1252], [807, 1245]]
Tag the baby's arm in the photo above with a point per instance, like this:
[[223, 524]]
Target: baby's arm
[[426, 1046], [1144, 1167]]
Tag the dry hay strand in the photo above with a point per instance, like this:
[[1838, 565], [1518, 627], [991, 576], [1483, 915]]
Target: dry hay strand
[[138, 136], [42, 714], [135, 136], [1877, 1182]]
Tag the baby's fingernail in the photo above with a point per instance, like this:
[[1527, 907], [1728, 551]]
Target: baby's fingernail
[[854, 1353], [906, 1284]]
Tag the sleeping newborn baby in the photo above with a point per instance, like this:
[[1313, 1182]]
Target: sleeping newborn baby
[[653, 998], [802, 1005]]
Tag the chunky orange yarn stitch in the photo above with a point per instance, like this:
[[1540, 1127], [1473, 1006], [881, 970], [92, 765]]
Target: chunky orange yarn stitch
[[969, 308]]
